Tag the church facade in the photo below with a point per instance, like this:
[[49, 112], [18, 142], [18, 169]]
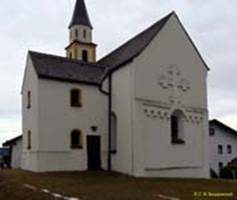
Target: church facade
[[141, 110]]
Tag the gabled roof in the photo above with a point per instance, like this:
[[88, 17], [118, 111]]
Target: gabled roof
[[12, 141], [65, 69], [133, 47], [223, 126], [80, 15]]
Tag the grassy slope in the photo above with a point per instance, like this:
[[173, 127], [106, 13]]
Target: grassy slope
[[105, 186]]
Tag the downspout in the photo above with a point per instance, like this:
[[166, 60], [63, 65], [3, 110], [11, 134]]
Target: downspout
[[109, 122], [109, 94]]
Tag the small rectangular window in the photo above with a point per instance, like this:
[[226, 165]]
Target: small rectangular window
[[229, 149], [28, 99], [29, 140], [76, 33], [220, 149], [76, 139], [84, 33], [76, 98], [220, 165], [212, 131]]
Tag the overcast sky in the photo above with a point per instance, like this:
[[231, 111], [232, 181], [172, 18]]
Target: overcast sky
[[41, 25]]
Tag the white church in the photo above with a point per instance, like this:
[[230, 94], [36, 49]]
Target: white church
[[141, 110]]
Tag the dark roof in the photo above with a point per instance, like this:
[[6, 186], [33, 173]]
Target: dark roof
[[66, 69], [12, 141], [133, 47], [223, 126], [136, 45], [80, 15]]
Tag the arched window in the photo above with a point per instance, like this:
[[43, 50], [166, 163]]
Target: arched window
[[76, 98], [76, 32], [28, 99], [85, 55], [177, 127], [84, 33], [76, 139], [113, 133], [29, 140]]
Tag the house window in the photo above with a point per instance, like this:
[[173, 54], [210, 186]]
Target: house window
[[229, 149], [85, 55], [29, 99], [76, 98], [70, 55], [220, 149], [76, 33], [76, 139], [212, 131], [29, 140], [220, 165], [176, 124], [84, 33], [113, 133]]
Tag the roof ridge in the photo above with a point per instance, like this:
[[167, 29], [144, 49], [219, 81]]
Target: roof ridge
[[65, 59], [216, 121], [163, 19]]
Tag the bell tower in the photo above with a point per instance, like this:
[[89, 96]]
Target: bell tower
[[80, 45]]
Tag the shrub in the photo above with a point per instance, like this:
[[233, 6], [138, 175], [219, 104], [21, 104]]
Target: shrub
[[213, 174], [227, 173]]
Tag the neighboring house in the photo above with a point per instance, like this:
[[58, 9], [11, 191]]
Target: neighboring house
[[15, 147], [4, 157], [222, 145], [141, 110]]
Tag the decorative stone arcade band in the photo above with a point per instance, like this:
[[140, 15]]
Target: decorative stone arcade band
[[165, 114]]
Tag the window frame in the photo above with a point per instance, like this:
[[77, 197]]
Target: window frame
[[114, 131], [29, 99], [78, 102], [79, 143], [220, 149], [85, 55], [176, 127], [76, 33], [29, 145], [84, 33], [212, 131], [229, 149], [220, 166]]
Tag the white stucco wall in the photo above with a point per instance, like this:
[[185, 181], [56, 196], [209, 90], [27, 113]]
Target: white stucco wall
[[51, 120], [122, 89], [80, 37], [222, 137], [16, 155], [30, 116], [57, 119], [168, 59]]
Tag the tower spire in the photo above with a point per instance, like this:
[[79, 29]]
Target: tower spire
[[80, 15], [80, 45]]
